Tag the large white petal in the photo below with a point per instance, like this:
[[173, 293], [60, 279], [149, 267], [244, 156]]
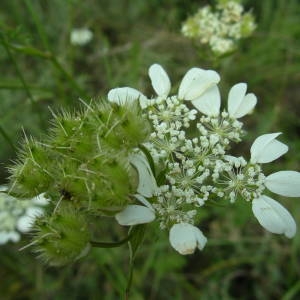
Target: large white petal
[[135, 214], [126, 94], [160, 80], [147, 184], [209, 103], [240, 104], [273, 216], [266, 148], [195, 82], [185, 238], [285, 183], [236, 96], [201, 239], [143, 201]]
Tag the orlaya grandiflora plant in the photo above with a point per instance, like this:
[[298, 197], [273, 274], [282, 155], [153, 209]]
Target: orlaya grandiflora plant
[[199, 169], [141, 160]]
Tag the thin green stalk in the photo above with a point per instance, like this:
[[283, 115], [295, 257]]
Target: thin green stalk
[[38, 24], [17, 86], [7, 138], [110, 244], [40, 28], [74, 84], [34, 106], [19, 73], [30, 51], [292, 292], [224, 264], [129, 282], [51, 57]]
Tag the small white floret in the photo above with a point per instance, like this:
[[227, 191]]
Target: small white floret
[[160, 80], [273, 216], [266, 148], [185, 238], [284, 183]]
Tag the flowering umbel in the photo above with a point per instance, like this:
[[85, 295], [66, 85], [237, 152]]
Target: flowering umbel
[[189, 144], [219, 27]]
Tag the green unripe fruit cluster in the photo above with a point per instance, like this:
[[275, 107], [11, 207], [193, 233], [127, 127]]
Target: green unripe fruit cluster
[[84, 159], [83, 167], [63, 237]]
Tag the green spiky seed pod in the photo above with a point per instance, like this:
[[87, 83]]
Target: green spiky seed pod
[[63, 237], [30, 175], [73, 136], [111, 188], [121, 127], [85, 158]]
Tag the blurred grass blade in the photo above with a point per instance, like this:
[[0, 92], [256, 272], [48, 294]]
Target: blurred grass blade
[[7, 138], [292, 292]]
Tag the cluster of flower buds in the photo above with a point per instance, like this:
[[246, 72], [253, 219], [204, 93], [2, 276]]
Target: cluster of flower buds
[[221, 27], [189, 145]]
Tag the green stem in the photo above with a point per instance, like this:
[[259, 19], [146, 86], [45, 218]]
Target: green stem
[[74, 84], [19, 73], [30, 51], [38, 24], [111, 244], [129, 282], [292, 292], [51, 57], [17, 86], [7, 138], [41, 31]]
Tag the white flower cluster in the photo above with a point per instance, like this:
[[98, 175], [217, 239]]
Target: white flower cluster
[[189, 145], [220, 28], [17, 216]]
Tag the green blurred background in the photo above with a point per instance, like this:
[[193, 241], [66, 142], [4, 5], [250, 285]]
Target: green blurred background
[[40, 68]]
